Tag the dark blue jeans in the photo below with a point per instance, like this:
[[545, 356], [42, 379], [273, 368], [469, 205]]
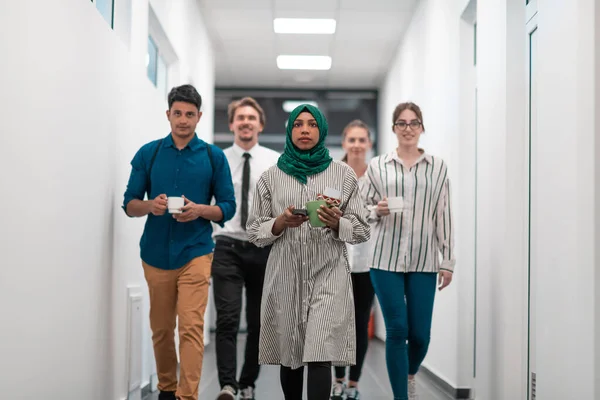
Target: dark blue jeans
[[406, 301]]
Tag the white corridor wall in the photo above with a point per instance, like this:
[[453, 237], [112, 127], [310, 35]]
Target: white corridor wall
[[568, 264], [428, 70], [76, 105]]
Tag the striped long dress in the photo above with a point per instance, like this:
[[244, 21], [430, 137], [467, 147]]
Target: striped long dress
[[307, 310]]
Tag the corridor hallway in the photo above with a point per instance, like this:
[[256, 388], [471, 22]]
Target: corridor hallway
[[510, 94]]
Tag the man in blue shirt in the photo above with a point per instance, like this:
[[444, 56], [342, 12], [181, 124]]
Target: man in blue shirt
[[176, 249]]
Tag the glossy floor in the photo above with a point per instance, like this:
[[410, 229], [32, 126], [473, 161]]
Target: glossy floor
[[374, 384]]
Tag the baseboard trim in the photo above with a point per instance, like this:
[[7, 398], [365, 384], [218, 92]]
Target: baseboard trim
[[455, 393], [153, 383], [146, 390]]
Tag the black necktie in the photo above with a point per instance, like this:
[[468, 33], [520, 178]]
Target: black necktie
[[245, 188]]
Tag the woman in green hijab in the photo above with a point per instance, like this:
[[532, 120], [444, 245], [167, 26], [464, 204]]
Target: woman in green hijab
[[307, 312]]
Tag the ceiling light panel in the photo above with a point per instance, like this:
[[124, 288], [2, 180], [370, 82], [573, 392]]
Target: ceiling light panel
[[290, 105], [314, 26], [304, 62]]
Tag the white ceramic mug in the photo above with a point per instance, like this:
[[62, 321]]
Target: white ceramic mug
[[175, 204]]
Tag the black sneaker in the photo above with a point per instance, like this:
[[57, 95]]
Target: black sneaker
[[167, 396]]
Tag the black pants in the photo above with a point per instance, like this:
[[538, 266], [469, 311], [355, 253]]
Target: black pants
[[319, 381], [363, 302], [237, 264]]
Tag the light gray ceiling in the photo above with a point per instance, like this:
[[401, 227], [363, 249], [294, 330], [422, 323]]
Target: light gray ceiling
[[366, 40]]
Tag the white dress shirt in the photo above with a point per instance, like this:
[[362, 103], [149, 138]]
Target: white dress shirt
[[261, 159]]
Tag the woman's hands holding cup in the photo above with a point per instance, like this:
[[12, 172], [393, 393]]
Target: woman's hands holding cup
[[382, 208], [330, 216]]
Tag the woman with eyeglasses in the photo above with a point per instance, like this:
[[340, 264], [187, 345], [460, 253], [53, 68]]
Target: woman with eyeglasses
[[410, 190], [307, 311]]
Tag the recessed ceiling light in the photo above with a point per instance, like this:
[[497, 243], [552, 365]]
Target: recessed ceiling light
[[304, 62], [304, 25], [290, 105]]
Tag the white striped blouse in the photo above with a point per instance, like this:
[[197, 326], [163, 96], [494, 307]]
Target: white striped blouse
[[307, 309], [359, 255], [412, 240]]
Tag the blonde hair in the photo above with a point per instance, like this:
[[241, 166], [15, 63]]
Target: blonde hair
[[246, 101]]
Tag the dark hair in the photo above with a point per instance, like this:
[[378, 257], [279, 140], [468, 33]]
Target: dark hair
[[246, 101], [408, 106], [357, 123], [186, 94]]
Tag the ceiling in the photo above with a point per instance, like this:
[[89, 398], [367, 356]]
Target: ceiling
[[365, 42]]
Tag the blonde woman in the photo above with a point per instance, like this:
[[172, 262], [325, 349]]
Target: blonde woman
[[356, 142]]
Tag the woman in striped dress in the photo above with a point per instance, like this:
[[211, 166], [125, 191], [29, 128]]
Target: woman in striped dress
[[356, 142], [307, 312], [413, 227]]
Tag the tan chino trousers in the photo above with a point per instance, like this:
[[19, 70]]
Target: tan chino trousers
[[181, 293]]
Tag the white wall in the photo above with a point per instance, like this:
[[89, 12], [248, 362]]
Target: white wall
[[77, 105], [427, 67], [501, 206], [562, 190], [597, 209], [426, 71], [565, 245], [182, 23]]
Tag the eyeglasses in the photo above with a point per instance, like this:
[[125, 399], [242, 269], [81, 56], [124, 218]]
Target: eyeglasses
[[402, 125]]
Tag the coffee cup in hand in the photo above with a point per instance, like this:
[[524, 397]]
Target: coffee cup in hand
[[395, 204], [175, 204]]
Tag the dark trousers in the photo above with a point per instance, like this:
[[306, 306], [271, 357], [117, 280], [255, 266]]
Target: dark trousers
[[318, 385], [237, 264], [363, 302]]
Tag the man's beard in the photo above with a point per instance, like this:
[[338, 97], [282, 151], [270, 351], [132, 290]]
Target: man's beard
[[184, 134], [242, 136]]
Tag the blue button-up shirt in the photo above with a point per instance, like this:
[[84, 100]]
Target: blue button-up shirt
[[166, 243]]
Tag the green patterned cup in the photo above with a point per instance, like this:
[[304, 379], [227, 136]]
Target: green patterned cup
[[313, 217]]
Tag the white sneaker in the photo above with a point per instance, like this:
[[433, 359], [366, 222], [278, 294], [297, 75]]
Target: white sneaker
[[247, 393], [337, 391], [352, 394], [412, 389], [227, 393]]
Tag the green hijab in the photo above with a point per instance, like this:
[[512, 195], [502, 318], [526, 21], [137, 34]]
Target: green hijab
[[302, 163]]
